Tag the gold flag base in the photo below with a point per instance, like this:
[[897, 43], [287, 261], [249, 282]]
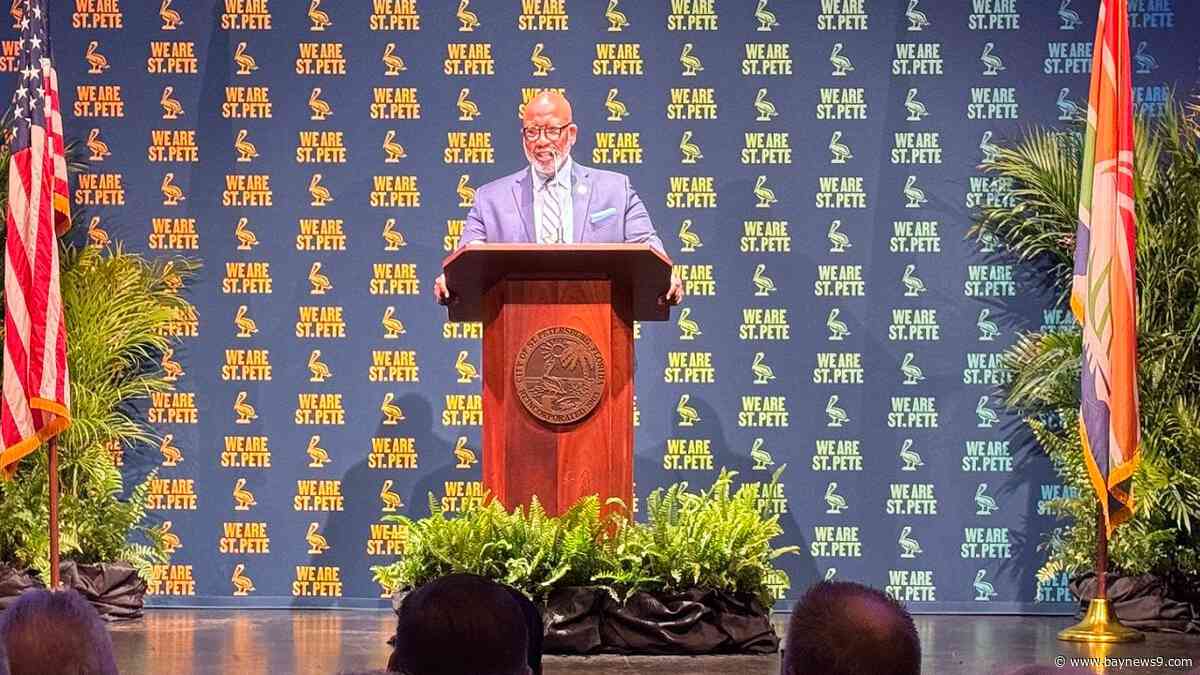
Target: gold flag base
[[1100, 624]]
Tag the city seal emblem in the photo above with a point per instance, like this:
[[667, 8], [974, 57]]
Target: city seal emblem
[[559, 375]]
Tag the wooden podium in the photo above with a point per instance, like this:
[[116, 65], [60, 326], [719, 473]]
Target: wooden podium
[[557, 362]]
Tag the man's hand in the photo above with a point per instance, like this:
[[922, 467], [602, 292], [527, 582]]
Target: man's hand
[[674, 295], [440, 291]]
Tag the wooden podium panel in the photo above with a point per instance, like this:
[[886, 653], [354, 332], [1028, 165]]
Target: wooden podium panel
[[592, 292]]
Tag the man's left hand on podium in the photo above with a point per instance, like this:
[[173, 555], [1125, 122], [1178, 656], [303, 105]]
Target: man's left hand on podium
[[674, 295]]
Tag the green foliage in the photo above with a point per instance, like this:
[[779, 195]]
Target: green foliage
[[717, 539], [1039, 228]]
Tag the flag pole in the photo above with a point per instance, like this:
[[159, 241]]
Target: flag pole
[[1100, 624], [54, 580]]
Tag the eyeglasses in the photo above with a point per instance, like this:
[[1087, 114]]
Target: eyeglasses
[[552, 133]]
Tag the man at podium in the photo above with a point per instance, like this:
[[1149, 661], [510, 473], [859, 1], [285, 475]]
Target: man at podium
[[555, 200]]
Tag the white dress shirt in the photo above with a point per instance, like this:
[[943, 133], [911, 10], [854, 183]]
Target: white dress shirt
[[562, 181]]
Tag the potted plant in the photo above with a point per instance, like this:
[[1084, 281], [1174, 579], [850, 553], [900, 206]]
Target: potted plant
[[1155, 556]]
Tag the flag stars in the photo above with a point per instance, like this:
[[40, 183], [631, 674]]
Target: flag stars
[[22, 92]]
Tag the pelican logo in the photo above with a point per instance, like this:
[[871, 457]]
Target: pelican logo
[[987, 416], [841, 192], [466, 193], [910, 459], [835, 542], [97, 63], [913, 286], [1068, 18], [542, 65], [687, 414], [766, 19], [320, 108], [88, 15], [763, 411], [992, 65], [320, 58], [245, 103], [841, 64], [392, 413], [839, 152], [688, 327], [242, 584], [764, 324], [763, 374], [244, 62], [692, 15], [172, 371], [245, 325], [393, 238], [916, 110], [689, 150], [689, 240], [100, 189], [245, 149], [318, 19], [173, 145], [616, 109], [837, 15], [243, 499], [837, 328], [98, 101], [172, 194], [318, 581], [988, 242], [912, 374], [466, 372], [616, 19], [917, 21], [98, 237], [559, 375], [985, 505], [1068, 110], [170, 540], [172, 494], [995, 103], [765, 196], [763, 285], [244, 411], [316, 543], [984, 591], [469, 58], [393, 65], [765, 109], [762, 459], [1145, 63], [318, 282], [766, 148], [172, 456], [391, 500], [317, 456], [918, 58], [837, 416], [691, 64], [838, 241], [463, 410], [319, 371], [767, 58], [463, 454], [319, 193], [393, 151], [170, 18], [388, 452], [467, 109], [994, 15], [915, 196], [834, 502], [171, 58], [246, 15]]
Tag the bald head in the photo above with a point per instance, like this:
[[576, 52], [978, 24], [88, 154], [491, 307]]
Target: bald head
[[548, 134]]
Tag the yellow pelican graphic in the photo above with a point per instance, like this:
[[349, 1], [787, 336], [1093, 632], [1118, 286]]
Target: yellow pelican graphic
[[172, 195], [691, 64], [316, 543], [766, 19], [393, 237], [394, 64], [616, 109], [841, 64], [245, 325], [837, 416], [245, 237], [837, 328], [984, 591], [391, 500], [912, 374], [988, 330], [909, 548], [616, 18], [392, 327], [98, 147], [171, 368], [170, 278], [320, 20], [990, 150], [834, 501], [319, 371], [319, 282], [245, 149], [171, 106], [690, 240], [96, 234], [910, 457], [394, 151], [464, 455], [688, 328], [762, 372], [169, 539], [170, 17], [913, 286], [466, 193], [542, 65], [320, 194], [171, 454], [242, 497], [914, 194], [245, 412], [762, 458], [317, 456], [987, 416], [691, 151], [392, 414], [766, 197], [242, 585], [840, 151], [985, 505], [320, 109], [916, 19], [466, 371], [244, 61], [916, 109], [95, 59], [838, 240], [468, 22], [992, 63], [687, 414], [467, 110], [762, 283], [766, 109]]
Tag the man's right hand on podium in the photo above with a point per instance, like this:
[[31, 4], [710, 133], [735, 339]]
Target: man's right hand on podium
[[440, 291]]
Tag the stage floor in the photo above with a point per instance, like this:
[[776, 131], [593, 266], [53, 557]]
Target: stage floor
[[278, 642]]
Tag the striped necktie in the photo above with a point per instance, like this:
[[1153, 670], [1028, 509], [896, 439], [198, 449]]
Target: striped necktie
[[551, 214]]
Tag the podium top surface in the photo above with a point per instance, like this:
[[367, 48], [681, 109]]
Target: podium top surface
[[472, 270]]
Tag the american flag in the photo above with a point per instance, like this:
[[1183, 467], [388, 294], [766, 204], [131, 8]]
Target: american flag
[[36, 403]]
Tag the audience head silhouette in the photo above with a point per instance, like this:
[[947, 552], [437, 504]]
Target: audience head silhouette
[[55, 633], [844, 628], [461, 624]]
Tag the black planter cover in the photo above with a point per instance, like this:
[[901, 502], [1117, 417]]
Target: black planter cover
[[114, 589], [1147, 602], [14, 582]]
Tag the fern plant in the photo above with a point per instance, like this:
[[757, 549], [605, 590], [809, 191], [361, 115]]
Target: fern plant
[[1039, 229]]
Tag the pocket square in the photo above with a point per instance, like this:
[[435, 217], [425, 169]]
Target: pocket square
[[601, 215]]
